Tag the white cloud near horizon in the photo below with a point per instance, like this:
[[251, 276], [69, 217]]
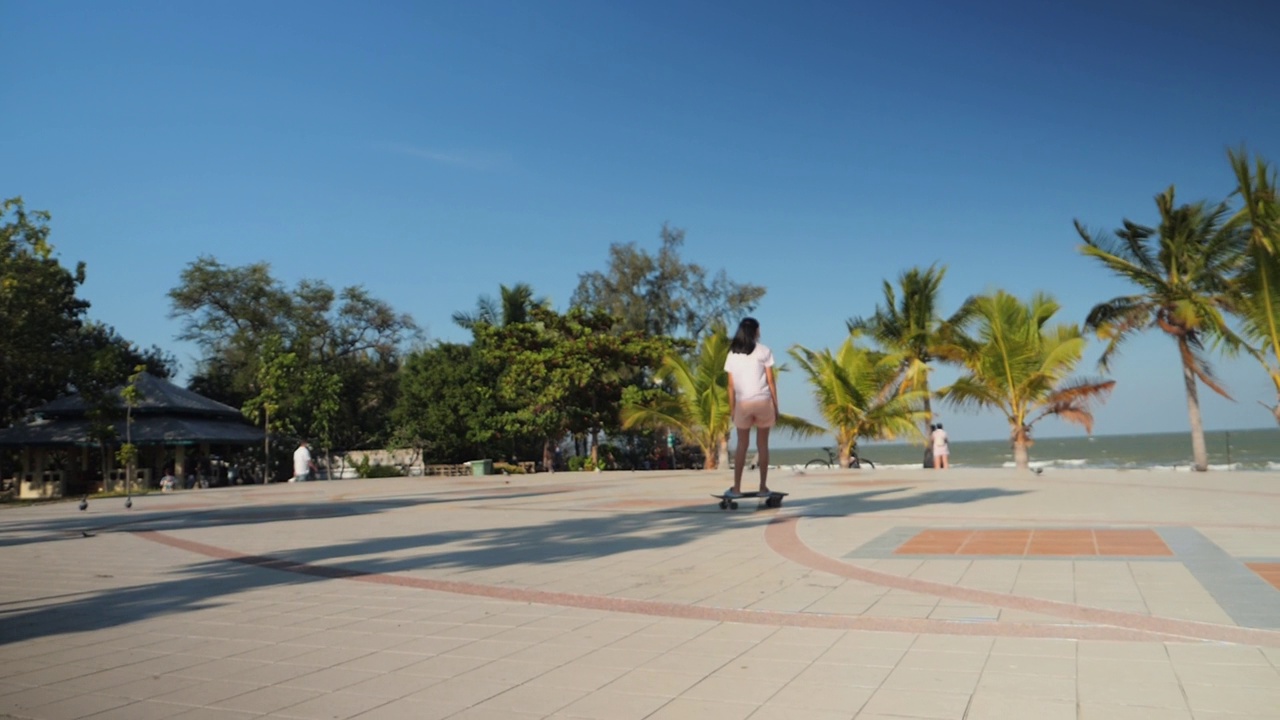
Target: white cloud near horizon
[[476, 160]]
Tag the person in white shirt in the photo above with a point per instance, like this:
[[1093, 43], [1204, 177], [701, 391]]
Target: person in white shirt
[[940, 449], [753, 399], [302, 465]]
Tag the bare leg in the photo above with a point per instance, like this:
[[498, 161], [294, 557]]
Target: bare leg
[[937, 460], [762, 453], [740, 457], [946, 461]]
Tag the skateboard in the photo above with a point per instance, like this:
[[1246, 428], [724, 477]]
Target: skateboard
[[771, 499]]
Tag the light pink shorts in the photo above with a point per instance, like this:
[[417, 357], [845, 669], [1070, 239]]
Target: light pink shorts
[[754, 413]]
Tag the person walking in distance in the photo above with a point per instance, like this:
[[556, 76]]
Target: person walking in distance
[[302, 464], [941, 451], [753, 399]]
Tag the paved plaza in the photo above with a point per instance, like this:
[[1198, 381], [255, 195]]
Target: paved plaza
[[871, 594]]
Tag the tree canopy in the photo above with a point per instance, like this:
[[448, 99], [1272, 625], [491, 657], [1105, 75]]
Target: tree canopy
[[1183, 271], [346, 348], [50, 346], [662, 295]]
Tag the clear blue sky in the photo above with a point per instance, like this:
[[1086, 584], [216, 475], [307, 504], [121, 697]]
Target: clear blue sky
[[431, 151]]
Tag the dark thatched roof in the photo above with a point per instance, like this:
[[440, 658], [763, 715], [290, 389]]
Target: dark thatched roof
[[159, 397], [166, 415]]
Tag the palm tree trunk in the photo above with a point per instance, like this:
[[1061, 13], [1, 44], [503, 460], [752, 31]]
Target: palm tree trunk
[[1021, 447], [1021, 458], [1199, 454], [928, 414], [722, 457]]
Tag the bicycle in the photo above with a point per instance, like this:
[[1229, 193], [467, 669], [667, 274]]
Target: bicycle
[[831, 460]]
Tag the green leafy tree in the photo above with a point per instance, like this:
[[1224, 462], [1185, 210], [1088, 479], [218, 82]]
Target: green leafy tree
[[230, 312], [911, 329], [560, 372], [448, 405], [662, 295], [1019, 365], [276, 383], [694, 400], [1259, 304], [40, 315], [128, 452], [321, 394], [861, 395], [1183, 271]]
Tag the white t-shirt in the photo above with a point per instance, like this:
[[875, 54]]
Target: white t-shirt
[[301, 461], [939, 440], [751, 373]]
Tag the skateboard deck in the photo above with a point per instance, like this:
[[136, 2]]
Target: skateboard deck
[[769, 499]]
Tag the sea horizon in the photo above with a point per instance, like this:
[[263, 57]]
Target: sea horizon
[[1244, 449]]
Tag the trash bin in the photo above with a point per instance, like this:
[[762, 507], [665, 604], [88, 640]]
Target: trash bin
[[481, 467]]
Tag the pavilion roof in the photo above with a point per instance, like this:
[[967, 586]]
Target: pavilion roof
[[165, 415], [159, 397]]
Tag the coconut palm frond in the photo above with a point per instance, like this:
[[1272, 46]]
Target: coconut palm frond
[[966, 393], [1020, 364], [665, 413], [799, 427], [697, 403], [1193, 359], [859, 393]]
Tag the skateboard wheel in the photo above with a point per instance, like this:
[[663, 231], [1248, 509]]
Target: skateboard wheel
[[733, 506], [724, 505]]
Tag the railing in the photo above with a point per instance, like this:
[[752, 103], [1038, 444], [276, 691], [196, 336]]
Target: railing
[[141, 479], [446, 470], [47, 484]]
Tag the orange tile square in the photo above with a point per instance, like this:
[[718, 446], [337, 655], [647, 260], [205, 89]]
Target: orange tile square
[[1134, 551], [1269, 572], [947, 535], [934, 542], [1061, 542], [1061, 535], [1004, 550], [927, 549]]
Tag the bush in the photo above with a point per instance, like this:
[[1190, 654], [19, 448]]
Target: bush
[[578, 462], [366, 470], [507, 468]]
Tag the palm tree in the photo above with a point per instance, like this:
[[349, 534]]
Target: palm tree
[[1017, 365], [1183, 269], [1259, 304], [911, 329], [861, 395], [696, 400], [513, 307]]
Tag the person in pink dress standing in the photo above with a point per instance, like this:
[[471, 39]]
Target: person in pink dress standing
[[753, 399]]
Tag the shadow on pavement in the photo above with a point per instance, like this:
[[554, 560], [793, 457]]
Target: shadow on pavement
[[211, 583]]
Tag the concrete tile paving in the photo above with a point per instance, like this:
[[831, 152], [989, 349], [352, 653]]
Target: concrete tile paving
[[871, 594]]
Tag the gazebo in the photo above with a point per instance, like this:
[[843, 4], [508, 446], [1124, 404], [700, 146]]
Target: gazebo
[[172, 428]]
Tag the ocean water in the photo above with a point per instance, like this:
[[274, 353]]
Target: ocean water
[[1257, 449]]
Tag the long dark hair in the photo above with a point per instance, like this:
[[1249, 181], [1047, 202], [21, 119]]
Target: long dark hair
[[744, 341]]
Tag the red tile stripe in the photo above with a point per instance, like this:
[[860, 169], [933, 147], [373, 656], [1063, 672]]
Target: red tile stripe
[[673, 610]]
